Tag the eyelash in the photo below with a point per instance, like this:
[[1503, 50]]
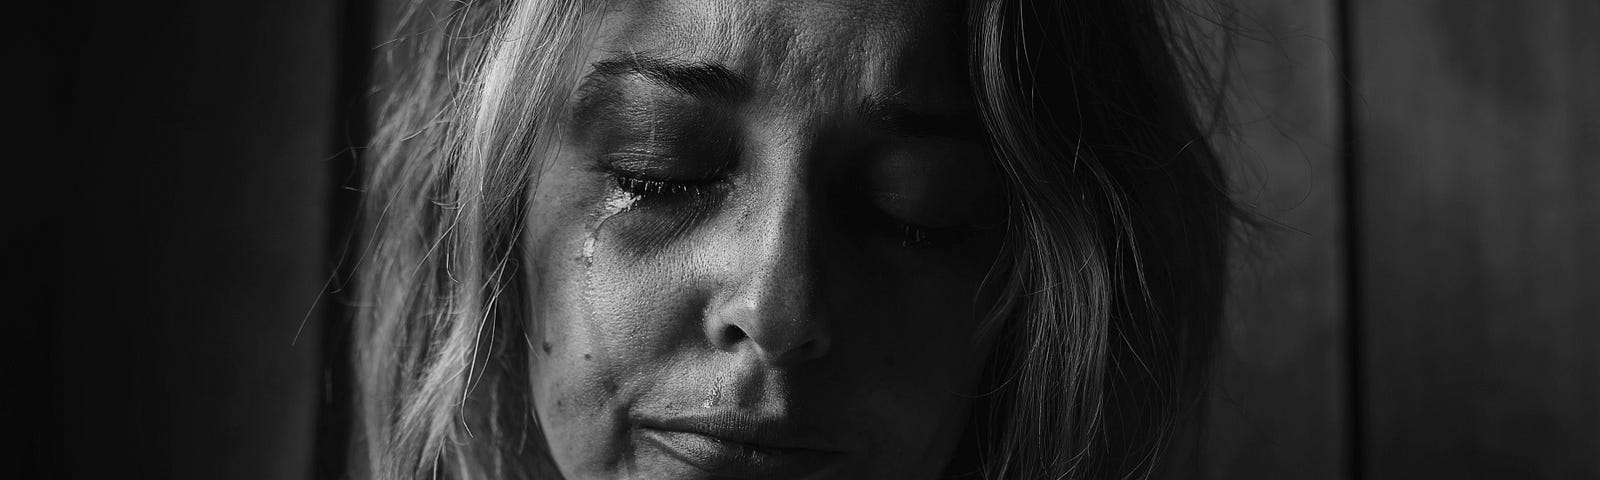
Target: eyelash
[[916, 236], [646, 186], [910, 235]]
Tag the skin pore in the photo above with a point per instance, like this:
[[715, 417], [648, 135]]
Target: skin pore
[[761, 249]]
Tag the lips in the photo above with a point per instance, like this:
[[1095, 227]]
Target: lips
[[738, 445]]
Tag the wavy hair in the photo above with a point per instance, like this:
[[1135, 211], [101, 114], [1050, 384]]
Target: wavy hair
[[1115, 245]]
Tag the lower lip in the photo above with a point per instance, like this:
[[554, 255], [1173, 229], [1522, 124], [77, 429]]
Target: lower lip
[[723, 458]]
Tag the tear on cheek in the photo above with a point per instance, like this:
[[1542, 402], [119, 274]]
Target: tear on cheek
[[643, 234], [616, 203]]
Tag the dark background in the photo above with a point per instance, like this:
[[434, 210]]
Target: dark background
[[1427, 308], [179, 208]]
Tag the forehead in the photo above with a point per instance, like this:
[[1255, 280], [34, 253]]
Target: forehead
[[814, 50]]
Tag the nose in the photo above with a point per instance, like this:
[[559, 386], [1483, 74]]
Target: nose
[[770, 300]]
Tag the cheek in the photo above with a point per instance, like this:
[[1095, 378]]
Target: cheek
[[574, 388], [907, 334], [918, 309], [605, 327]]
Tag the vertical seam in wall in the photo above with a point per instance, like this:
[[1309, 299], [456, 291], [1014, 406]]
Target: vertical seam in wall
[[353, 23], [1350, 182]]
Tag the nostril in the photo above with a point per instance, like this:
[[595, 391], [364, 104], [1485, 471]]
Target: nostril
[[731, 335]]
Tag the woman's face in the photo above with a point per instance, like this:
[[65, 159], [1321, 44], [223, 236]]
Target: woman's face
[[759, 250]]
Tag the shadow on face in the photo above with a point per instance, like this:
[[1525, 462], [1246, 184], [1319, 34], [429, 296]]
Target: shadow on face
[[762, 245]]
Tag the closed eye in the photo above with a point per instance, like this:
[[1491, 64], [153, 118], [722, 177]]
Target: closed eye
[[883, 224], [651, 186]]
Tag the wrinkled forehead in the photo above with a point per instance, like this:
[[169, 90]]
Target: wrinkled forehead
[[814, 50]]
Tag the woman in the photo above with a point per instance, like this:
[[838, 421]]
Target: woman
[[888, 239]]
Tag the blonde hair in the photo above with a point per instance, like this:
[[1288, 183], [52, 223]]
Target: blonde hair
[[1114, 251]]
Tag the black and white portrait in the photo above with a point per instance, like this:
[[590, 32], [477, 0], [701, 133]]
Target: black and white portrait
[[808, 239]]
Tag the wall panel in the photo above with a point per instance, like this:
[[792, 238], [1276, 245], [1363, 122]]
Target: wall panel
[[1479, 124], [185, 238]]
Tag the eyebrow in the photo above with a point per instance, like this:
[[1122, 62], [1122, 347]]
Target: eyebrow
[[699, 79], [895, 116], [715, 81]]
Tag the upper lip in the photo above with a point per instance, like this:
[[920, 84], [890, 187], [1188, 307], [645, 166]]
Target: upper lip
[[765, 432]]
